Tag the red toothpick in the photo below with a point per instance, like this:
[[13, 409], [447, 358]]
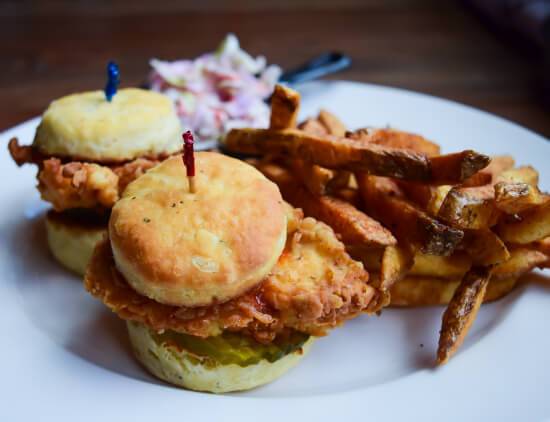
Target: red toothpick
[[189, 159]]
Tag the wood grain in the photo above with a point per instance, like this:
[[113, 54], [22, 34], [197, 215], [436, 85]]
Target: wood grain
[[52, 48]]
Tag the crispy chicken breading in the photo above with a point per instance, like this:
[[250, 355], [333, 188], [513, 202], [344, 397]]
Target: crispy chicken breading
[[315, 286], [76, 184], [132, 170], [20, 154]]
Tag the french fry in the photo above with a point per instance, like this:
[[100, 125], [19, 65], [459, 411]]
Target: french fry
[[461, 312], [396, 139], [314, 178], [466, 227], [395, 263], [436, 200], [455, 168], [524, 174], [389, 264], [278, 174], [313, 126], [488, 175], [515, 198], [349, 195], [284, 111], [480, 206], [354, 226], [543, 245], [285, 103], [332, 124], [450, 267], [469, 208], [341, 180], [428, 197], [533, 225], [346, 154], [414, 291], [484, 247], [431, 197], [409, 224], [522, 260], [371, 257]]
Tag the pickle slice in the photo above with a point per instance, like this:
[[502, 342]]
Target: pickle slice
[[232, 348]]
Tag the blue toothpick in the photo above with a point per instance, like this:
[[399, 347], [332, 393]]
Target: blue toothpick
[[113, 79]]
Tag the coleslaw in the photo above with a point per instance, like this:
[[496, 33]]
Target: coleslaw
[[217, 91]]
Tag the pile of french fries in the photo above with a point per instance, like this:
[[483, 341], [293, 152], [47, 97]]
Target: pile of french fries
[[457, 229]]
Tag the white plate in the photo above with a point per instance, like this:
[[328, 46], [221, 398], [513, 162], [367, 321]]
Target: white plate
[[64, 356]]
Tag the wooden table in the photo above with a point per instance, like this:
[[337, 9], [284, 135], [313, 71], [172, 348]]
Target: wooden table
[[52, 48]]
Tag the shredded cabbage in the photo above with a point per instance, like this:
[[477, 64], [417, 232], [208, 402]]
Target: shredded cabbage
[[217, 91]]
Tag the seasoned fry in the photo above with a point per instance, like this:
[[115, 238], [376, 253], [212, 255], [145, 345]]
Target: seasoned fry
[[285, 104], [346, 154], [466, 227], [349, 195], [498, 164], [313, 126], [436, 200], [484, 247], [408, 223], [314, 178], [396, 139], [415, 291], [278, 174], [396, 261], [342, 179], [524, 174], [522, 260], [446, 267], [371, 257], [543, 245], [332, 124], [457, 167], [461, 312], [515, 198], [331, 152], [429, 197], [469, 208], [533, 225], [388, 265], [354, 226], [451, 267]]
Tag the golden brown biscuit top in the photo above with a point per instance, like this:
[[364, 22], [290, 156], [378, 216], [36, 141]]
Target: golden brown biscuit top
[[135, 123], [194, 249]]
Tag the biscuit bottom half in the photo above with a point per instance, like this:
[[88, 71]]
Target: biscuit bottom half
[[229, 362], [72, 237]]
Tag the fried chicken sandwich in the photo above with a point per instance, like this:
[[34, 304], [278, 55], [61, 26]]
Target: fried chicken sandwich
[[87, 150], [223, 288]]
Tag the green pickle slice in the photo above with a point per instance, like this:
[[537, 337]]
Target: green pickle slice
[[231, 348]]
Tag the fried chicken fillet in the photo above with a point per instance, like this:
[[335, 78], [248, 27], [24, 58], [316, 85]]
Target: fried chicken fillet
[[87, 150], [314, 286], [230, 260]]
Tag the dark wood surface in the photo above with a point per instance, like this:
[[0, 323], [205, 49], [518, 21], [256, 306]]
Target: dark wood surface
[[52, 48]]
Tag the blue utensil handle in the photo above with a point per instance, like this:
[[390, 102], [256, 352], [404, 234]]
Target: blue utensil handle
[[317, 67]]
